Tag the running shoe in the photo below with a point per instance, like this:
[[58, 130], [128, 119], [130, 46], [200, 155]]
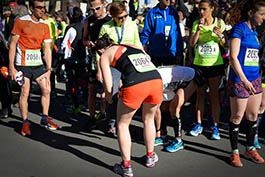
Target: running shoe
[[235, 160], [73, 110], [100, 116], [111, 132], [161, 141], [47, 123], [254, 156], [25, 129], [256, 142], [151, 161], [196, 130], [215, 133], [175, 146], [125, 172]]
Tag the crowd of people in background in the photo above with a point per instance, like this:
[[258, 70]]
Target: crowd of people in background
[[117, 58]]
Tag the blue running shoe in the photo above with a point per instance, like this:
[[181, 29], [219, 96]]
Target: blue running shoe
[[175, 146], [196, 130], [161, 141], [125, 172], [256, 142], [215, 135]]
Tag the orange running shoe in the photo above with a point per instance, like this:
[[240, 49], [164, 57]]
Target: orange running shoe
[[254, 156], [48, 123], [25, 129], [235, 160]]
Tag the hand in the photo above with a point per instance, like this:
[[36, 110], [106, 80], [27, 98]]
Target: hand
[[12, 73], [200, 24], [99, 77], [249, 87], [91, 44], [217, 31]]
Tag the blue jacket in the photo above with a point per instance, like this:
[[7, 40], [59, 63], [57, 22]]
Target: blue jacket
[[153, 34]]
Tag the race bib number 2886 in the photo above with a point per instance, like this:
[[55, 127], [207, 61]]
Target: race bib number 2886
[[141, 63]]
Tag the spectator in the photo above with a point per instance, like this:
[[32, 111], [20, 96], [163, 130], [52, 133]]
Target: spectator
[[75, 56], [92, 27]]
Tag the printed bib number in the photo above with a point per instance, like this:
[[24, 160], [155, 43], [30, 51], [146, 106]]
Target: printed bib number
[[208, 50], [252, 57], [33, 58], [141, 63]]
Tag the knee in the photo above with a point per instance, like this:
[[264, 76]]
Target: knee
[[24, 94], [236, 119], [252, 116]]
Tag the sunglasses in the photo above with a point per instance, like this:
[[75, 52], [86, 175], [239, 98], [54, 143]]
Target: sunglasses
[[122, 17], [40, 7], [95, 8]]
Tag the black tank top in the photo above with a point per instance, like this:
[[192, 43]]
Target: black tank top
[[134, 67]]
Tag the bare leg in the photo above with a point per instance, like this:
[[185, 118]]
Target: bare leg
[[214, 98], [149, 111], [92, 99], [124, 117], [23, 99], [45, 86]]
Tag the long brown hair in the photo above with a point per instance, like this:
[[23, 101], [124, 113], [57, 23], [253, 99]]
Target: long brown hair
[[240, 12]]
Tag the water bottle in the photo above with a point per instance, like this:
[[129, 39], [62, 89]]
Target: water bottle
[[20, 78]]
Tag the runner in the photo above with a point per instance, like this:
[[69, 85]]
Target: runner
[[141, 84], [208, 36], [173, 77], [92, 27], [24, 55], [244, 83]]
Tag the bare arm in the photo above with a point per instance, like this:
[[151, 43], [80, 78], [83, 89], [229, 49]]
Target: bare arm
[[85, 35], [195, 35], [48, 55], [12, 52], [105, 61]]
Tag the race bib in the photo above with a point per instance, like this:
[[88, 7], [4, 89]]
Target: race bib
[[167, 31], [33, 58], [252, 57], [208, 50], [141, 63]]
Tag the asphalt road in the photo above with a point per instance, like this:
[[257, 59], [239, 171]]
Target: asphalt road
[[72, 152]]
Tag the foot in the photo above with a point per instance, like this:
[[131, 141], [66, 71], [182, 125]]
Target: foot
[[151, 161], [256, 142], [235, 160], [48, 123], [215, 133], [125, 172], [254, 156], [25, 129], [196, 130], [175, 146], [161, 141]]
